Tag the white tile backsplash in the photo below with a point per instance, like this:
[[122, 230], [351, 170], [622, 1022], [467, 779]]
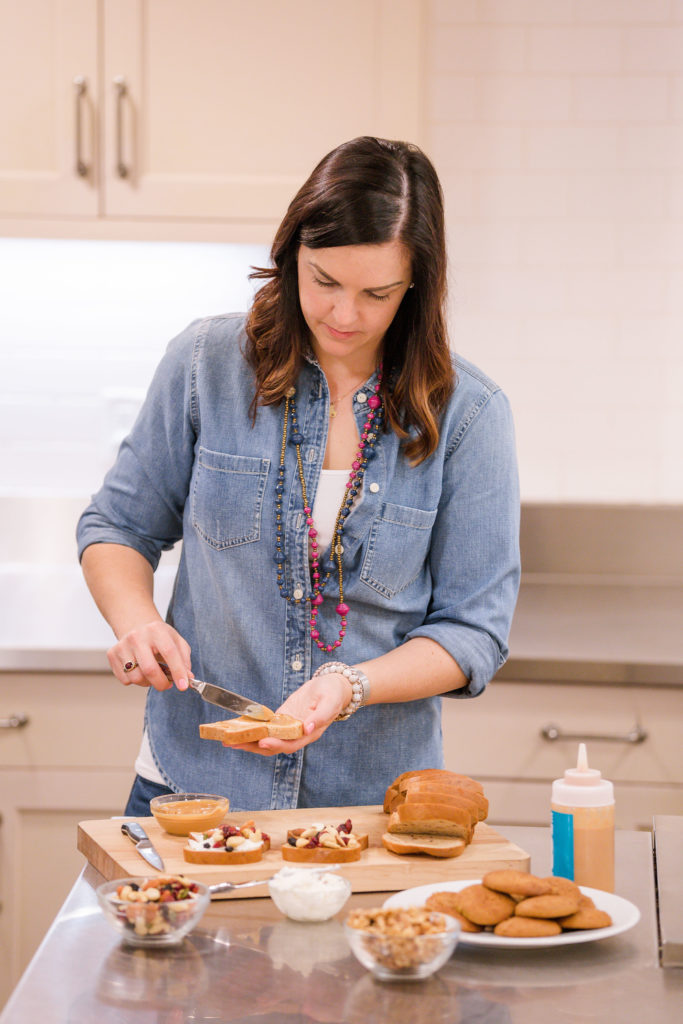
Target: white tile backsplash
[[559, 128]]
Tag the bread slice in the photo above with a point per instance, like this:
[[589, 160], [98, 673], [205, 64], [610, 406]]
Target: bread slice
[[441, 796], [432, 819], [225, 856], [440, 775], [322, 854], [285, 727], [319, 855], [433, 846], [389, 797], [236, 731], [442, 793]]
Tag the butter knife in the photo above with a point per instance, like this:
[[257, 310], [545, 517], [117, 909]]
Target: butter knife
[[225, 699], [143, 843]]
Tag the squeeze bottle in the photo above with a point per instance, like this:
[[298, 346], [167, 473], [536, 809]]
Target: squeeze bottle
[[583, 826]]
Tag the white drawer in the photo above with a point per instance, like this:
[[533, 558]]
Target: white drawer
[[500, 733], [86, 720]]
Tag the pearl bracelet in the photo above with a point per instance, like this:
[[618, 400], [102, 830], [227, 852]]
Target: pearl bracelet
[[360, 685]]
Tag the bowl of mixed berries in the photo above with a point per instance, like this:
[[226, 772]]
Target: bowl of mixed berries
[[157, 911]]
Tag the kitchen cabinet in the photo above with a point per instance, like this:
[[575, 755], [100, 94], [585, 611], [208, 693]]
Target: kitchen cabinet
[[157, 118], [48, 47], [72, 761], [499, 739]]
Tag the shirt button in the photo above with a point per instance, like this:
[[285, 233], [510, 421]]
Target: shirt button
[[297, 665], [374, 488], [361, 397], [298, 594]]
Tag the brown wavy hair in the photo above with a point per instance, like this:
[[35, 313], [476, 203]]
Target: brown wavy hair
[[365, 192]]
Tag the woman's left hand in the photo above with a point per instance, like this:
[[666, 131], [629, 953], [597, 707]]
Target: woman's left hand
[[317, 703]]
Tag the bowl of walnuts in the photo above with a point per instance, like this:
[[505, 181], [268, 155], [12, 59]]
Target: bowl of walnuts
[[401, 944]]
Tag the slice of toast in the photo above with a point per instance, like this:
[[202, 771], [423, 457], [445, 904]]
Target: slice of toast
[[236, 731], [322, 854], [434, 846]]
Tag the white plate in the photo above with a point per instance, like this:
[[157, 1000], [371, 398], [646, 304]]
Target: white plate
[[623, 913]]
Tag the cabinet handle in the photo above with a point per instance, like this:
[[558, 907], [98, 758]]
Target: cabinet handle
[[553, 732], [80, 87], [14, 721], [121, 92]]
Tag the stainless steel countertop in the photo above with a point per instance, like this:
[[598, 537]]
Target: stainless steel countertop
[[246, 961]]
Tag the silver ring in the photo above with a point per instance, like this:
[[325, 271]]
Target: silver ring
[[129, 666]]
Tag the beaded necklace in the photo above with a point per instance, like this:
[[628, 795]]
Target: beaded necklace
[[366, 450]]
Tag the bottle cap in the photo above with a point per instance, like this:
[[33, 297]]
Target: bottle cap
[[582, 786]]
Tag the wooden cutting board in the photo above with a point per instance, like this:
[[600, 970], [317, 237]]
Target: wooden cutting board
[[378, 870]]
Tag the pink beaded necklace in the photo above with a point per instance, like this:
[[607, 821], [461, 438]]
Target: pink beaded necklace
[[366, 445]]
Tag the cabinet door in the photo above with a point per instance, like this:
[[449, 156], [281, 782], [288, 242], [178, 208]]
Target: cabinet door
[[226, 106], [45, 47], [39, 862]]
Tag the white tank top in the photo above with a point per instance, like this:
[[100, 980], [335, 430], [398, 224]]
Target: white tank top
[[328, 498]]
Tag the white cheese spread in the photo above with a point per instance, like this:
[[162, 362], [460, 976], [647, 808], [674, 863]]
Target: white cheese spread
[[309, 894]]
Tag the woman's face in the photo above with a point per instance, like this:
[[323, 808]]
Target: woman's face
[[349, 295]]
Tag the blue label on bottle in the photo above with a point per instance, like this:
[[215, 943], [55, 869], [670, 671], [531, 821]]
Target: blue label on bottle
[[563, 844]]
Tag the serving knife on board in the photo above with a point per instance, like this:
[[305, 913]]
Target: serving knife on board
[[225, 699], [143, 844]]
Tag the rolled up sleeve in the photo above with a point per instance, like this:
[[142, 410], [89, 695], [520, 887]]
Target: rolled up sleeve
[[474, 555]]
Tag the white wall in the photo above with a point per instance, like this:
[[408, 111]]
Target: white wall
[[82, 326], [556, 126]]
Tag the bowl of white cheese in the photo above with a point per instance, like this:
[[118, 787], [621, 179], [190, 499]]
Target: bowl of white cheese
[[309, 894]]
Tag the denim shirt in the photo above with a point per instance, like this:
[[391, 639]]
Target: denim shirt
[[431, 550]]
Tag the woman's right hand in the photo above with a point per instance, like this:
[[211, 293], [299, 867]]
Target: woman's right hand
[[143, 648]]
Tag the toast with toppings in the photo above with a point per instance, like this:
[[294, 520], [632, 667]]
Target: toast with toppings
[[325, 844], [227, 844]]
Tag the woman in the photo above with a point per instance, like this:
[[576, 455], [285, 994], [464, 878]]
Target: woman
[[347, 498]]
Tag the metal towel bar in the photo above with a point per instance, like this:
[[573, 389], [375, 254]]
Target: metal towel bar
[[552, 733]]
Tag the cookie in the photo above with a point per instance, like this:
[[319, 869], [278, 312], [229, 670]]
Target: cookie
[[484, 906], [527, 927], [445, 903], [562, 885], [515, 883], [553, 905], [586, 917]]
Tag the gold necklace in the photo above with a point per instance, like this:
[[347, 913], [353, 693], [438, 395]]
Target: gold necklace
[[335, 401]]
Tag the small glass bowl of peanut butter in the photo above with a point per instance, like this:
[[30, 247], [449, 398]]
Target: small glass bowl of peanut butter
[[182, 813]]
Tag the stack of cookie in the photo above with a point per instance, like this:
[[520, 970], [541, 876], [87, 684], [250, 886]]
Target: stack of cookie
[[519, 905]]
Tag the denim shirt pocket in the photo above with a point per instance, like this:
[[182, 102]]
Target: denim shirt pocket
[[227, 497], [397, 548]]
